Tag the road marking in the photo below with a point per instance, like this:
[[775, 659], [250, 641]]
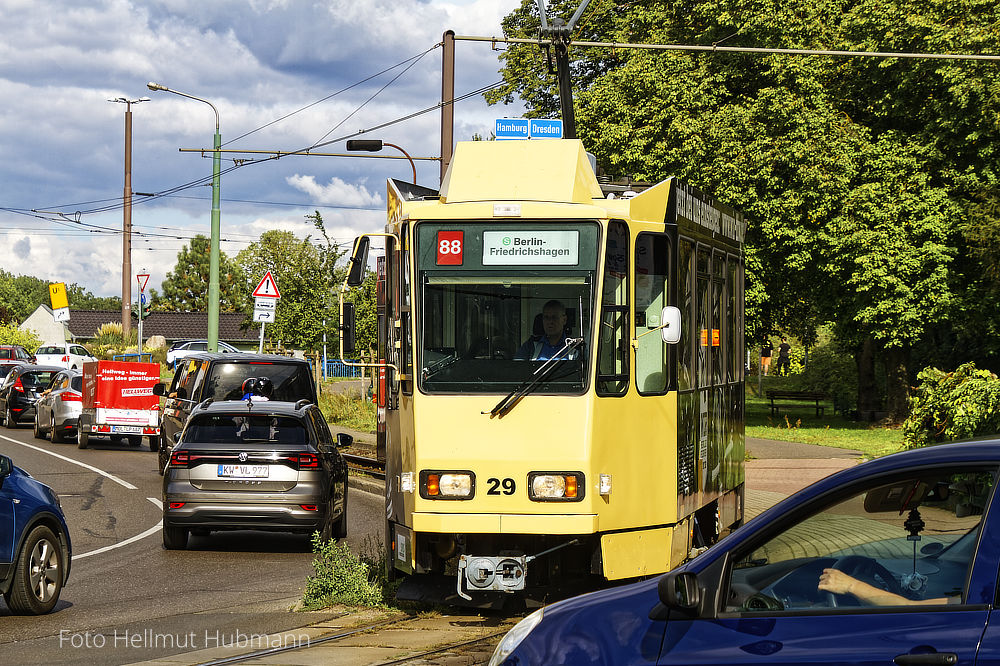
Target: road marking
[[152, 530], [75, 462]]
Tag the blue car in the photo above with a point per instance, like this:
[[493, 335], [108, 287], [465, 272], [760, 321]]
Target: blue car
[[894, 561], [34, 542]]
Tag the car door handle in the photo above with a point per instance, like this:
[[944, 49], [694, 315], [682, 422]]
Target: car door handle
[[931, 659]]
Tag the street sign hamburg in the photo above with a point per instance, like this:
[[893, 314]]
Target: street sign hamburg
[[267, 288], [524, 128]]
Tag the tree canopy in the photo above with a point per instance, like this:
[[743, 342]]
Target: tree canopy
[[859, 176], [185, 288]]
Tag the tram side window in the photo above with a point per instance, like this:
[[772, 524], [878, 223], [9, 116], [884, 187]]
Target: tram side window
[[404, 310], [732, 346], [685, 293], [613, 338], [652, 254], [717, 342], [705, 335]]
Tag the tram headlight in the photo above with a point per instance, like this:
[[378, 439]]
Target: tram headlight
[[556, 486], [447, 485]]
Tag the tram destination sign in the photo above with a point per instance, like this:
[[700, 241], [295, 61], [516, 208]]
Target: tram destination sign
[[531, 248]]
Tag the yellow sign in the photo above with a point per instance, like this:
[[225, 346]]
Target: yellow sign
[[57, 294]]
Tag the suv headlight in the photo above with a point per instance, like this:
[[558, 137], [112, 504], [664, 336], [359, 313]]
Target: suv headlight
[[515, 636]]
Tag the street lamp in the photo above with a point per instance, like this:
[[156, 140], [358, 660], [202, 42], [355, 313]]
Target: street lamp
[[375, 145], [213, 266], [127, 218]]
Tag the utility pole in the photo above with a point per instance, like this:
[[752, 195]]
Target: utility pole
[[447, 99], [127, 218]]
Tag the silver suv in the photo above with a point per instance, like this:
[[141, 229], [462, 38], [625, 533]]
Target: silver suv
[[255, 465]]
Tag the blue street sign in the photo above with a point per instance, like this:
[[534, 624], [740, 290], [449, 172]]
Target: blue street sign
[[543, 128], [142, 298], [511, 128]]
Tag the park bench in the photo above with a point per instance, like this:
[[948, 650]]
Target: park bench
[[796, 396]]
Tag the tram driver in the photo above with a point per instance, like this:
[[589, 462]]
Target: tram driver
[[546, 345]]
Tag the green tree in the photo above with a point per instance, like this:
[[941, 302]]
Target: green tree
[[855, 174], [185, 288], [306, 286], [20, 295]]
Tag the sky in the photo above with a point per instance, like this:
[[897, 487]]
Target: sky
[[284, 75]]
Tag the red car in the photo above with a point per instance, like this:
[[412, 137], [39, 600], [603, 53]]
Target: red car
[[12, 355]]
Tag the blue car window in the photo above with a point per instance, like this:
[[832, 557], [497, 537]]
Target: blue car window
[[904, 542]]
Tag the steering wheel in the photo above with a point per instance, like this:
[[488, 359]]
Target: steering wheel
[[866, 569]]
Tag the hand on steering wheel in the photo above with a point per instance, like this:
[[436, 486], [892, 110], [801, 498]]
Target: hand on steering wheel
[[861, 568]]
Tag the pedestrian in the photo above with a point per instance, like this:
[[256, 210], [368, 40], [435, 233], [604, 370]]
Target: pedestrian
[[765, 356], [784, 360]]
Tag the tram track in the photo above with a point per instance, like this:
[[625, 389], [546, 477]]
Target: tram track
[[461, 646], [365, 465]]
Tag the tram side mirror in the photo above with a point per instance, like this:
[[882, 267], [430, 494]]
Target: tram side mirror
[[670, 330], [347, 329], [359, 259]]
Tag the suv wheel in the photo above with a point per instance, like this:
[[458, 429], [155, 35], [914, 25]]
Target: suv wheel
[[174, 538], [38, 574]]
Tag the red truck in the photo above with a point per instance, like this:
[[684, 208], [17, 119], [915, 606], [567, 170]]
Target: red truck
[[118, 402]]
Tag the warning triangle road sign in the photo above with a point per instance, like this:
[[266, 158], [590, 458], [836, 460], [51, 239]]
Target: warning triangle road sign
[[267, 288]]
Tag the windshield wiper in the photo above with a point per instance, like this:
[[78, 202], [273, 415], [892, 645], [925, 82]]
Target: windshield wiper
[[541, 374], [438, 365]]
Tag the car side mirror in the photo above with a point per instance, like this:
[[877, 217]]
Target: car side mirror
[[159, 389], [680, 590], [670, 322], [344, 440], [6, 466]]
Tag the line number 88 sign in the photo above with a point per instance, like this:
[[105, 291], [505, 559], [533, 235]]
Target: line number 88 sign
[[450, 246]]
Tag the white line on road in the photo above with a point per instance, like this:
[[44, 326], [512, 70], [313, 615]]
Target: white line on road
[[75, 462], [152, 530]]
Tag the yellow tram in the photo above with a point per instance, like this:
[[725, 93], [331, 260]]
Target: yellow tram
[[561, 391]]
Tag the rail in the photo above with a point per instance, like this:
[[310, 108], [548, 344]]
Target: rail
[[365, 465]]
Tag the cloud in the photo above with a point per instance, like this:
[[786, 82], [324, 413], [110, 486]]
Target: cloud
[[336, 192]]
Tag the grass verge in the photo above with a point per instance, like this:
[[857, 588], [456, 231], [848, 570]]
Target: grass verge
[[343, 577]]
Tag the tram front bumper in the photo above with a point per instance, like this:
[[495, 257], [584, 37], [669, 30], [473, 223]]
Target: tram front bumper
[[491, 523]]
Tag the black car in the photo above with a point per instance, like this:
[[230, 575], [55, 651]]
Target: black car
[[220, 376], [255, 465], [20, 390]]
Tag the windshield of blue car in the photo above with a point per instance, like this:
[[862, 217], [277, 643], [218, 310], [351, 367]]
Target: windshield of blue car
[[242, 428]]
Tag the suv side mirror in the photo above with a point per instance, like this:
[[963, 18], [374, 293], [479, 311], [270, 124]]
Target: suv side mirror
[[159, 389], [344, 440]]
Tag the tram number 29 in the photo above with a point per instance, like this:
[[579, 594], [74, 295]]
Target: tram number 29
[[508, 486]]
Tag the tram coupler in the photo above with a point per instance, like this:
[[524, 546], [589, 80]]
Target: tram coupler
[[505, 573]]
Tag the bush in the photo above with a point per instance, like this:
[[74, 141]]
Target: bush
[[341, 577], [10, 334], [348, 410], [831, 371], [952, 405]]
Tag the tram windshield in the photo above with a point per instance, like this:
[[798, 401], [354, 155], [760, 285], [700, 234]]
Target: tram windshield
[[487, 326]]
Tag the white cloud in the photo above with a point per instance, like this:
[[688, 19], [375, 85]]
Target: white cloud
[[257, 61]]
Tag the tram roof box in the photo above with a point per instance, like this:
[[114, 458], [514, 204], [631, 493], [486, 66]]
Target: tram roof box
[[539, 170], [120, 385]]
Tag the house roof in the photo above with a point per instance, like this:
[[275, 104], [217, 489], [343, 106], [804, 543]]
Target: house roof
[[171, 325]]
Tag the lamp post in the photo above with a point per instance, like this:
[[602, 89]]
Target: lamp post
[[375, 145], [213, 266], [127, 217]]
